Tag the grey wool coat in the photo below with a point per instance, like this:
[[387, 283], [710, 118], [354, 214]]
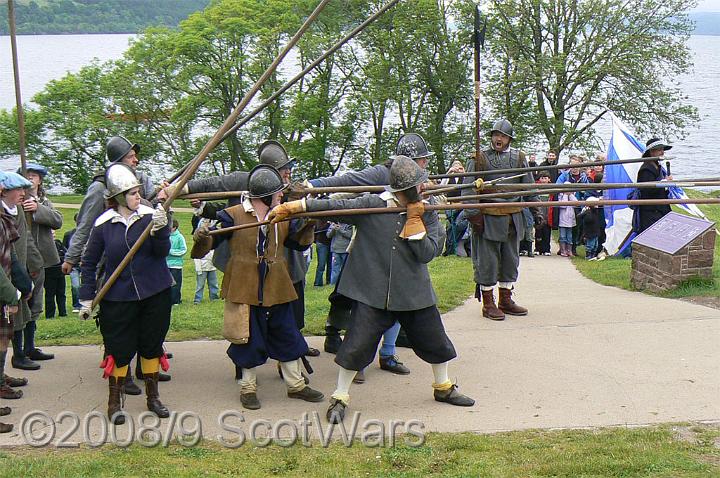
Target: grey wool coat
[[385, 271], [29, 256], [44, 221]]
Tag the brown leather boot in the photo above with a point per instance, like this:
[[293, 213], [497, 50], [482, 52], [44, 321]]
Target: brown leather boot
[[115, 399], [507, 305], [153, 395], [489, 309]]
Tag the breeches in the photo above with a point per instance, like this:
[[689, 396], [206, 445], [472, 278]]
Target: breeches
[[273, 334], [424, 329], [496, 261], [137, 326]]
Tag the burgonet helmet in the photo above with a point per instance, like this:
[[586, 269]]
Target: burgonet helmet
[[273, 154], [405, 174], [503, 126], [117, 147], [413, 146], [264, 181], [119, 179]]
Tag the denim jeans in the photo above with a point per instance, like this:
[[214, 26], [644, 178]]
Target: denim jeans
[[566, 235], [591, 247], [176, 290], [338, 261], [75, 287], [211, 278], [324, 264], [389, 338]]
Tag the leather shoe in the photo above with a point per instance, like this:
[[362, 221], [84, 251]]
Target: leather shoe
[[312, 352], [333, 341], [308, 394], [453, 397], [250, 401], [130, 387], [359, 377], [162, 377], [392, 364], [336, 411], [24, 363], [8, 393], [37, 354], [15, 382]]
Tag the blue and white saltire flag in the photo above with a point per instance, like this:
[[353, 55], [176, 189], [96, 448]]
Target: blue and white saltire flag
[[618, 219]]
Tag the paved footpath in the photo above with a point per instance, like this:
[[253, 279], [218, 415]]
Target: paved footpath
[[585, 356]]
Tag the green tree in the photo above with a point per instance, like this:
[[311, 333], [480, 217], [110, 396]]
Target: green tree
[[558, 65]]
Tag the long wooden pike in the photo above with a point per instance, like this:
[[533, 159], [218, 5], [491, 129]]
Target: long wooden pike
[[541, 168], [210, 145], [242, 121], [479, 206]]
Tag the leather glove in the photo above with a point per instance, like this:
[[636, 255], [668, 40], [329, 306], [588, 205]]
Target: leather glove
[[414, 225], [169, 190], [159, 219], [479, 184], [297, 190], [85, 309], [285, 210]]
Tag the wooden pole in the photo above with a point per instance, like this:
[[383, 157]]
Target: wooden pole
[[242, 121], [539, 168], [18, 95], [210, 145], [479, 206]]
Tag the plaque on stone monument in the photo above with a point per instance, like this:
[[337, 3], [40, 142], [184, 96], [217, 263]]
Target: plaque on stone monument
[[673, 232]]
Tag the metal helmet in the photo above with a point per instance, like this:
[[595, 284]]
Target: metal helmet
[[117, 147], [405, 174], [503, 126], [413, 146], [264, 181], [119, 179], [273, 154], [35, 168]]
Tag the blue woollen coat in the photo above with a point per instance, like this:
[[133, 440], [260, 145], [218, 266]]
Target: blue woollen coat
[[146, 275]]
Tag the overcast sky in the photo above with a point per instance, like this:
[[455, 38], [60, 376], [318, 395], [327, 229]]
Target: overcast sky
[[708, 6]]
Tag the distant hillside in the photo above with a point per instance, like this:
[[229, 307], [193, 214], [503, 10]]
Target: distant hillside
[[97, 16], [706, 23]]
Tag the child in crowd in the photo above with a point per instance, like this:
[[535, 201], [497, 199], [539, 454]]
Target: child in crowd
[[543, 230], [205, 271], [566, 224], [178, 248], [55, 285], [591, 222]]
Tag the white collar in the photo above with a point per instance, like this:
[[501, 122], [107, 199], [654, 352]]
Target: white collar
[[114, 216], [247, 204], [13, 211]]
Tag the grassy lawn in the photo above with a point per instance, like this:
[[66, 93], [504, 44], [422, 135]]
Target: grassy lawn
[[617, 452], [616, 272], [452, 278]]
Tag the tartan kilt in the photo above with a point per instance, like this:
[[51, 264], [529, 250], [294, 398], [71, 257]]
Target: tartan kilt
[[6, 329]]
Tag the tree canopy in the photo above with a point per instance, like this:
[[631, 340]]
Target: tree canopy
[[98, 16], [551, 66]]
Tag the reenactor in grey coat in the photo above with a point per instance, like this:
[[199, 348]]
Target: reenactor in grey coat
[[496, 232], [391, 252], [411, 145], [44, 219]]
